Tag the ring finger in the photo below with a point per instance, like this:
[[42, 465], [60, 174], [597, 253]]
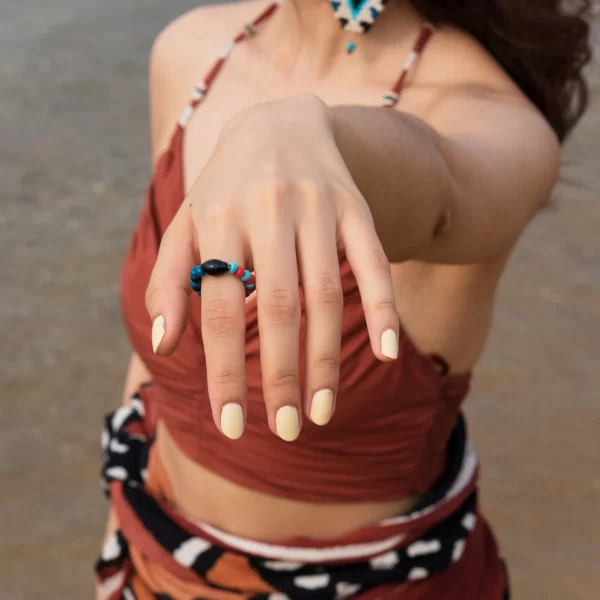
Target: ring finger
[[323, 302], [224, 332]]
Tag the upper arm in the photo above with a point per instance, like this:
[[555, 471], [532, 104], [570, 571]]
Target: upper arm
[[169, 75], [502, 155]]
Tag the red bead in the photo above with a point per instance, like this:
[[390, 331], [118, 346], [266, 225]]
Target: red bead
[[239, 273], [252, 279]]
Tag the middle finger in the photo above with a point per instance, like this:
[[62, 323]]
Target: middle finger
[[278, 303]]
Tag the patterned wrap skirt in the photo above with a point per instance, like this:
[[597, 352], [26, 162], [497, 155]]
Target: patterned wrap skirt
[[442, 549]]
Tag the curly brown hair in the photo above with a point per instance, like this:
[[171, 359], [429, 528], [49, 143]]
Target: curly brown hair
[[543, 45]]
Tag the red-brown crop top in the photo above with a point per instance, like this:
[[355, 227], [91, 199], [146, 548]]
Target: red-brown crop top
[[387, 439]]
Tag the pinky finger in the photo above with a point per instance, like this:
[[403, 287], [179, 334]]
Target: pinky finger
[[374, 277]]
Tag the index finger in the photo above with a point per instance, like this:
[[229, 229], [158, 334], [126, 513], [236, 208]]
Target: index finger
[[168, 290]]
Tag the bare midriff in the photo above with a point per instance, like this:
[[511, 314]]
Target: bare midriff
[[202, 495]]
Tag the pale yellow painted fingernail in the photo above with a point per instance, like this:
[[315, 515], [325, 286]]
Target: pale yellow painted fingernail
[[158, 332], [389, 343], [232, 421], [287, 423], [321, 407]]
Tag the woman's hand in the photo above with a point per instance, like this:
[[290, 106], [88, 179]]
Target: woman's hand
[[277, 198]]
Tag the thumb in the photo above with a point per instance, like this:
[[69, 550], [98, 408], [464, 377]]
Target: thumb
[[169, 288]]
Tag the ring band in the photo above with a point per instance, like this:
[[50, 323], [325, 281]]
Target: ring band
[[217, 267]]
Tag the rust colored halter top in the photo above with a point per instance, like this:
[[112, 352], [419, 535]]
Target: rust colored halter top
[[387, 439]]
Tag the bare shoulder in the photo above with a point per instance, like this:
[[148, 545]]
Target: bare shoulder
[[456, 61], [472, 95], [486, 120], [183, 52], [204, 26]]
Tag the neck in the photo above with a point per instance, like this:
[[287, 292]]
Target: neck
[[310, 40]]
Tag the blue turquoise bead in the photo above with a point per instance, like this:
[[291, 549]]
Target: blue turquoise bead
[[351, 47], [250, 286], [197, 272], [246, 275], [233, 267], [195, 285]]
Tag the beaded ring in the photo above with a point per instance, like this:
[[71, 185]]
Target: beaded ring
[[217, 267]]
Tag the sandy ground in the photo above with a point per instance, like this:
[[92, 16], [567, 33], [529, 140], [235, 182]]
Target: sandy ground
[[73, 167]]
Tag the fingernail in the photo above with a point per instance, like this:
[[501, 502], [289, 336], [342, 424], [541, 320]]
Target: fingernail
[[232, 421], [158, 332], [321, 407], [389, 344], [287, 423]]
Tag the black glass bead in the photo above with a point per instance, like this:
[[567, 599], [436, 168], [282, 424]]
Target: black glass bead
[[215, 267]]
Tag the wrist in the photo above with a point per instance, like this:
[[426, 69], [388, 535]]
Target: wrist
[[299, 117]]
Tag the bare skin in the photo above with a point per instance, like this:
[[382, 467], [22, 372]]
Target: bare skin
[[444, 287]]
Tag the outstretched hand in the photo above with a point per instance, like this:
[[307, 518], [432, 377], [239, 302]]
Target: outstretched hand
[[276, 197]]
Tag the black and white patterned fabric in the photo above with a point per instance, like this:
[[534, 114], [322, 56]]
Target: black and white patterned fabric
[[334, 572]]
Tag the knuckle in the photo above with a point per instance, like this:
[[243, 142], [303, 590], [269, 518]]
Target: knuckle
[[380, 261], [276, 187], [218, 213], [272, 194], [383, 306], [282, 306], [227, 377], [357, 216], [316, 198], [312, 188], [329, 294], [351, 202], [152, 296], [284, 380], [328, 363], [219, 317]]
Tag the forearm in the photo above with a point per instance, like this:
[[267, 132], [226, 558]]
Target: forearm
[[137, 374], [398, 164], [459, 191]]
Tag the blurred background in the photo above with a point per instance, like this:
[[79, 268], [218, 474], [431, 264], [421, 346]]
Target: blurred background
[[73, 168]]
